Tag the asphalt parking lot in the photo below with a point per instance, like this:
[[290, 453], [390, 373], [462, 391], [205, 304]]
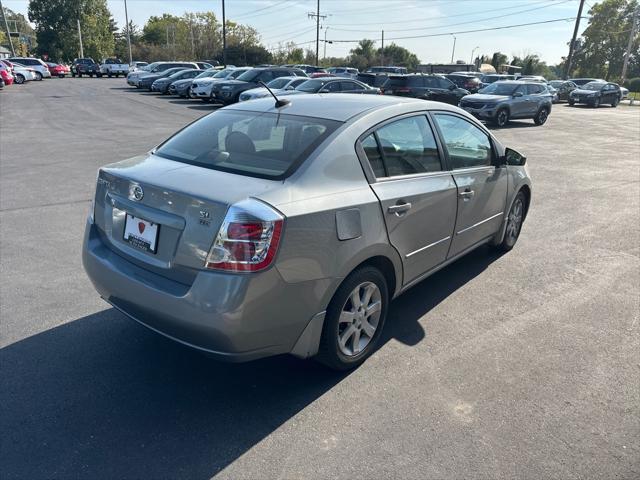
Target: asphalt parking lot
[[525, 365]]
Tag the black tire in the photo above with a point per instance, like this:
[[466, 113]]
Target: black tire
[[61, 75], [541, 116], [19, 79], [330, 353], [109, 74], [502, 118], [73, 74], [98, 75], [38, 76], [615, 102], [514, 223], [571, 103], [595, 103]]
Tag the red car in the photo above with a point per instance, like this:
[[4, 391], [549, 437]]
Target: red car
[[6, 75], [58, 69]]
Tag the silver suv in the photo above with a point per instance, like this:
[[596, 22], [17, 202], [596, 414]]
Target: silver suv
[[268, 228], [510, 100]]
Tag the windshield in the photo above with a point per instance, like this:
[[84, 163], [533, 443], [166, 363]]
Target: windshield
[[238, 73], [595, 86], [263, 145], [278, 82], [249, 75], [556, 83], [499, 88], [222, 73], [207, 74], [311, 86]]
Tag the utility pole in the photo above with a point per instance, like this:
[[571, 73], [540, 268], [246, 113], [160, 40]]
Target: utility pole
[[224, 37], [80, 38], [6, 27], [382, 50], [317, 16], [567, 67], [629, 45], [126, 17], [324, 54], [453, 52]]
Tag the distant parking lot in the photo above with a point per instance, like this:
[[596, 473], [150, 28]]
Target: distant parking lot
[[516, 366]]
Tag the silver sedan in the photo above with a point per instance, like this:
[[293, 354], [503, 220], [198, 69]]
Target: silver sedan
[[267, 228]]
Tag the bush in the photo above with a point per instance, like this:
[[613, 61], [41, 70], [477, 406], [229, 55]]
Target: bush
[[633, 84]]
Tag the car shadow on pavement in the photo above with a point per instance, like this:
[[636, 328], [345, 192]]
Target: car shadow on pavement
[[513, 124], [102, 397]]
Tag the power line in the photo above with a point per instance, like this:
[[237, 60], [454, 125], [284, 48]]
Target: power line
[[459, 23], [555, 2], [467, 31]]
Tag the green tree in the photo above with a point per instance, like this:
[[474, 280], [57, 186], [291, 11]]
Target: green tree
[[497, 60], [56, 29], [399, 56], [604, 41]]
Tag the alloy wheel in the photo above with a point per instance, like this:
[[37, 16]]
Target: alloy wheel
[[514, 223], [359, 319], [503, 116]]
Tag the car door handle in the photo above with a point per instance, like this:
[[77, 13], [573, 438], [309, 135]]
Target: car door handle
[[400, 208], [467, 194]]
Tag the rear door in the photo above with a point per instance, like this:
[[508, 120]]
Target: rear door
[[418, 197], [481, 187]]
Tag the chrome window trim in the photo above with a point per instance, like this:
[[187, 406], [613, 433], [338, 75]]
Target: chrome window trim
[[427, 246], [479, 223]]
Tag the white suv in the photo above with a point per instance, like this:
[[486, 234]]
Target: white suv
[[42, 71]]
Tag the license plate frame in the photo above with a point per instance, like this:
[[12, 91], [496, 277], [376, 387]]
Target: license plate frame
[[141, 233]]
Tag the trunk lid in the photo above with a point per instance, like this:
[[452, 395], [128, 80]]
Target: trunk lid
[[181, 205]]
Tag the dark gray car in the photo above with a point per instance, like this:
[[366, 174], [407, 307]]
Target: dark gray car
[[595, 94], [509, 100], [263, 229]]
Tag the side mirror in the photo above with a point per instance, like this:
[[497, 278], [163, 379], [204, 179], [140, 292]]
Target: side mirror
[[512, 157], [517, 94]]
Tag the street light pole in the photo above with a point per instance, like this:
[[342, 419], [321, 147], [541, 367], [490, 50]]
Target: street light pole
[[453, 52], [6, 26], [472, 52], [126, 17]]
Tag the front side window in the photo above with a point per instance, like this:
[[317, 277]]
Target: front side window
[[466, 144], [262, 145], [409, 147], [350, 86]]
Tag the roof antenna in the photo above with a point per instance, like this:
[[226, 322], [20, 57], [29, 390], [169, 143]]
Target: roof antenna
[[279, 102]]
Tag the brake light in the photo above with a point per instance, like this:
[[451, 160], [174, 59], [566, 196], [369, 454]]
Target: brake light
[[403, 90], [248, 238]]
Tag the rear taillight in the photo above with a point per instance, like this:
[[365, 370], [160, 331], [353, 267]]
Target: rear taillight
[[248, 238], [403, 90]]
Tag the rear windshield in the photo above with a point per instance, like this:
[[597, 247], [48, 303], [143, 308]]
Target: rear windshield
[[262, 145], [596, 86]]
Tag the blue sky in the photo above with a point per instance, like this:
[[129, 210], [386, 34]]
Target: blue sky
[[283, 20]]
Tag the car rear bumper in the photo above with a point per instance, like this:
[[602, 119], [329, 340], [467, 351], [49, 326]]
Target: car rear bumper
[[234, 317]]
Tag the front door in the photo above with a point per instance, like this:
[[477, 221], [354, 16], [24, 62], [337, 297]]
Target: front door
[[518, 105], [481, 186], [418, 198]]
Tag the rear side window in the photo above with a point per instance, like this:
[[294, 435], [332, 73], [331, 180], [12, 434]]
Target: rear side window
[[466, 144], [371, 150], [262, 145], [408, 147]]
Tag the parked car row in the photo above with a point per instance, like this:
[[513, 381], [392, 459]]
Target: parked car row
[[494, 98]]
